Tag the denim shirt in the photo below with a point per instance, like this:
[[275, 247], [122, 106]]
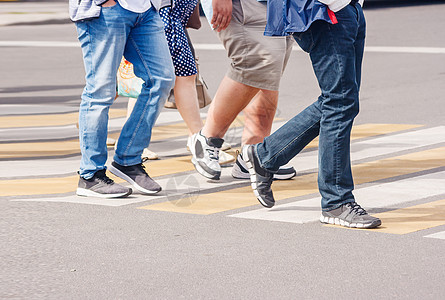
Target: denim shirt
[[84, 9], [88, 9], [285, 17]]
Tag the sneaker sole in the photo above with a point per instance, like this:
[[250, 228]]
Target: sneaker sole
[[204, 172], [252, 173], [238, 173], [337, 221], [89, 193], [122, 175], [241, 175], [284, 176]]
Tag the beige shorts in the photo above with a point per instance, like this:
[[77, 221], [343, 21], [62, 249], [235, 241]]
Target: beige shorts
[[256, 60]]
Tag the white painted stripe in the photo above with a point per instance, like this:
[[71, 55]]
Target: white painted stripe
[[208, 47], [61, 167], [437, 235], [377, 196], [39, 44], [165, 118], [379, 146], [90, 200], [416, 50]]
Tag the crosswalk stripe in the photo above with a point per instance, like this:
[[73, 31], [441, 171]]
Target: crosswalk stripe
[[71, 147], [63, 166], [70, 132], [40, 186], [370, 130], [199, 46], [179, 189], [414, 218], [66, 184], [50, 119], [382, 145], [437, 235], [386, 195], [307, 184]]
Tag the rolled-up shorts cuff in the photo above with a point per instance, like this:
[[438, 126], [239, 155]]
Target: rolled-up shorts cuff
[[238, 77]]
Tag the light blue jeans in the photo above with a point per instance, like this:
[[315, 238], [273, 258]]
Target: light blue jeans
[[336, 53], [104, 40]]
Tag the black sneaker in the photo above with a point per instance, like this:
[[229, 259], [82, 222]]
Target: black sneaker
[[350, 215], [137, 176], [100, 185], [261, 179], [239, 170]]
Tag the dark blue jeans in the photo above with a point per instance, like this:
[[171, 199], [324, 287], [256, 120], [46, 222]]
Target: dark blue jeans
[[336, 53]]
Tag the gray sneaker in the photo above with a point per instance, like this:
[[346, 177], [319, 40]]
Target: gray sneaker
[[261, 179], [205, 155], [137, 176], [100, 185], [350, 215]]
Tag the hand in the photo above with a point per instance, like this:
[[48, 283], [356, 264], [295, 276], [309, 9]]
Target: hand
[[222, 14], [109, 3]]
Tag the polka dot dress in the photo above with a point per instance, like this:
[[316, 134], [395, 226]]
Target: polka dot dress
[[175, 20]]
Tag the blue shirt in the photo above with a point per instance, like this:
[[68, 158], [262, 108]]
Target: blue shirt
[[285, 17]]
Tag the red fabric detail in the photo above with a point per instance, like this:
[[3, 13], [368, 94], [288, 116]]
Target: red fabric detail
[[332, 16]]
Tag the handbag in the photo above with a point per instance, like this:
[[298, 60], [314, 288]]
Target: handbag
[[129, 85], [204, 98], [194, 21]]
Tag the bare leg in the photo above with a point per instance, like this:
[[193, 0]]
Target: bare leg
[[230, 99], [187, 102], [259, 116], [130, 106]]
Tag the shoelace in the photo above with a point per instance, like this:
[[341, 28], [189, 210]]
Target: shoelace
[[213, 153], [355, 207], [103, 177], [141, 166]]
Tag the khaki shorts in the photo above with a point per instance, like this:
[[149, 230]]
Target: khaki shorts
[[256, 60]]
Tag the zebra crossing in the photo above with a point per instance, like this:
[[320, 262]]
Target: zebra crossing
[[399, 171]]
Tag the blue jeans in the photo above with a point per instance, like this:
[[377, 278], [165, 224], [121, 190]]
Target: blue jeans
[[336, 52], [140, 38]]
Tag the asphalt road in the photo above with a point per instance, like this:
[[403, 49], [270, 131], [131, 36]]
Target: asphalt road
[[57, 246]]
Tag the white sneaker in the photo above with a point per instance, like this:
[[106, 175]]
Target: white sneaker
[[150, 155], [226, 146], [239, 170], [224, 157], [111, 142], [205, 155]]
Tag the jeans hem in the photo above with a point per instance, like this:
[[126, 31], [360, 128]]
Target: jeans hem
[[259, 161], [338, 205], [127, 163], [90, 174]]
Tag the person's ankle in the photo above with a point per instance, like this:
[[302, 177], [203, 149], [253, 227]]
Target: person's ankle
[[209, 134]]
